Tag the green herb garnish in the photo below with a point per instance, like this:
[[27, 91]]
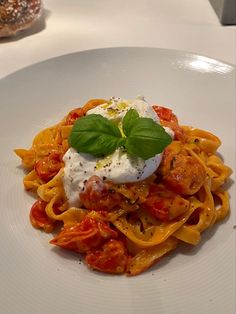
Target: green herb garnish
[[98, 136], [144, 137]]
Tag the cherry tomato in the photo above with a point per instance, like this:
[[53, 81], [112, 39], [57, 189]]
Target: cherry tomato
[[186, 175], [39, 218], [165, 114], [169, 119], [164, 204], [74, 115], [99, 195], [111, 258], [84, 236], [47, 167]]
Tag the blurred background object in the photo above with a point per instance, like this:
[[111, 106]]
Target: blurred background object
[[226, 11], [18, 15], [67, 26]]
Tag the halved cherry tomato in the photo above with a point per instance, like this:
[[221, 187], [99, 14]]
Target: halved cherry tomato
[[164, 204], [100, 195], [74, 115], [84, 236], [47, 167], [39, 218], [165, 114], [169, 119], [79, 112], [111, 258]]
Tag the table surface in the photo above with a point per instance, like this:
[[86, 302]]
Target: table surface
[[75, 25]]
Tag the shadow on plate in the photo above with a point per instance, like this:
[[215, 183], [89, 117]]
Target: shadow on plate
[[37, 27], [66, 254], [182, 249], [188, 249]]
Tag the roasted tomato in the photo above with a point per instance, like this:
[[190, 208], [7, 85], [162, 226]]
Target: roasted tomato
[[164, 204], [39, 218], [186, 175], [99, 195], [84, 236], [74, 115], [181, 173], [111, 258], [165, 114], [169, 119], [80, 112], [47, 167]]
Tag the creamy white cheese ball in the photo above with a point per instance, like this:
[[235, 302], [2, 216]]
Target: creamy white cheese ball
[[119, 167], [116, 108]]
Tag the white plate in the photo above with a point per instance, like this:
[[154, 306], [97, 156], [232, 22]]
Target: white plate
[[35, 278]]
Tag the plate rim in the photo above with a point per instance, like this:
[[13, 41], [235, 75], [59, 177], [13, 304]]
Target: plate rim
[[174, 51], [170, 52]]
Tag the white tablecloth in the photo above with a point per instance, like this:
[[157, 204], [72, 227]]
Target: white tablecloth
[[75, 25]]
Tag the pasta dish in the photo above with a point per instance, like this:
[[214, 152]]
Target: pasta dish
[[116, 193]]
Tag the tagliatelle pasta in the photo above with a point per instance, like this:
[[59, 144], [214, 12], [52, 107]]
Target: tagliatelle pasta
[[128, 227]]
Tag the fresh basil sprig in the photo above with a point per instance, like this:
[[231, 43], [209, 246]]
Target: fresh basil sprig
[[95, 135], [144, 137], [98, 136]]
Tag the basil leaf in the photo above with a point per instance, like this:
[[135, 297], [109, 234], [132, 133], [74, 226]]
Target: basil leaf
[[146, 138], [95, 135], [129, 120]]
